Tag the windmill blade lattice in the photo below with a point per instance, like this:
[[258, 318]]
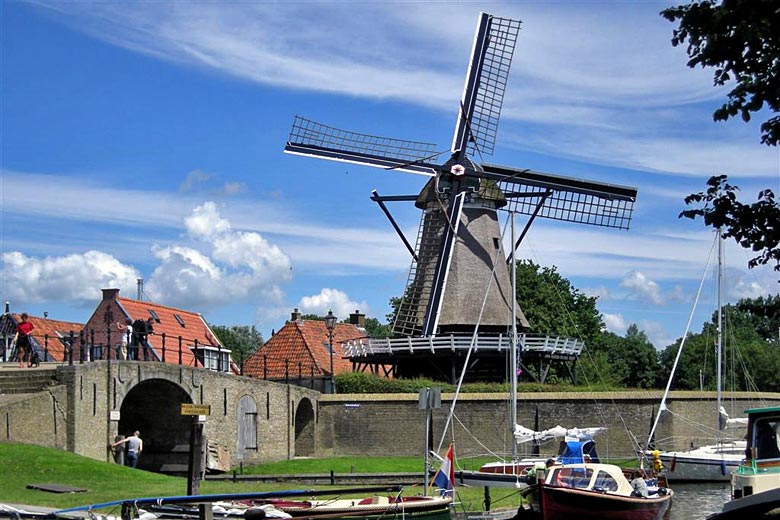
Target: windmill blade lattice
[[310, 138], [486, 79]]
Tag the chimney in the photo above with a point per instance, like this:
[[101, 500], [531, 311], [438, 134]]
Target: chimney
[[295, 315], [7, 307], [110, 294], [45, 315], [358, 319]]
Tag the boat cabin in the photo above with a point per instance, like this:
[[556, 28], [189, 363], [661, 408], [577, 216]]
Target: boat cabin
[[604, 478], [761, 469]]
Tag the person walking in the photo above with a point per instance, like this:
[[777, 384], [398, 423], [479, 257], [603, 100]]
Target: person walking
[[134, 447]]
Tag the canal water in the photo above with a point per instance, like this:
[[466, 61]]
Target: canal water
[[697, 501]]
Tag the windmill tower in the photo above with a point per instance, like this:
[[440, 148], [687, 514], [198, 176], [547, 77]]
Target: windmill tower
[[458, 261]]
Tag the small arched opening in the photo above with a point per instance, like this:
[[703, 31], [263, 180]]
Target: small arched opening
[[304, 429]]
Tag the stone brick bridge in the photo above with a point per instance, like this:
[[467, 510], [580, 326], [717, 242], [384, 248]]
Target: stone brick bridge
[[82, 408]]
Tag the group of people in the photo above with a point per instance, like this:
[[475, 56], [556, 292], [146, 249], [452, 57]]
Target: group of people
[[134, 335]]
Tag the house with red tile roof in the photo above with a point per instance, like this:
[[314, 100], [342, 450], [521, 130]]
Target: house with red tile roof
[[50, 338], [179, 336], [300, 350]]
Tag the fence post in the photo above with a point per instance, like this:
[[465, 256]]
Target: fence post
[[179, 350], [196, 354], [71, 347], [109, 346], [163, 347], [286, 371], [265, 366]]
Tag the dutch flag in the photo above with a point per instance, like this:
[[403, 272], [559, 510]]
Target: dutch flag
[[444, 479]]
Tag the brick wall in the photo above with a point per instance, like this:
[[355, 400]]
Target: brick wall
[[393, 424]]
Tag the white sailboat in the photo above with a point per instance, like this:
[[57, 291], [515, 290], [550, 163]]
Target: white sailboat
[[714, 462]]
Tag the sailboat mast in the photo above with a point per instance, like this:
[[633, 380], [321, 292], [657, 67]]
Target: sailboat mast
[[720, 334], [513, 346]]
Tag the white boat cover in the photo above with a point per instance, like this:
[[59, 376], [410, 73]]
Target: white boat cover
[[523, 434]]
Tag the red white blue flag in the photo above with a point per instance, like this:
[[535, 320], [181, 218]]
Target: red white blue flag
[[444, 479]]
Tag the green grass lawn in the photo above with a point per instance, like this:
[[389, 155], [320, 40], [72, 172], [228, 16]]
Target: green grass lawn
[[351, 465], [22, 464]]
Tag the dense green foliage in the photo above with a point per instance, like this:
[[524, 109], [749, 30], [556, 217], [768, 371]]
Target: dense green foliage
[[751, 361], [375, 329], [755, 226], [364, 383], [242, 340], [553, 306], [629, 361], [738, 38]]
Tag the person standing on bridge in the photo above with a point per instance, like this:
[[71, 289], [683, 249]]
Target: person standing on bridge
[[133, 449], [23, 344]]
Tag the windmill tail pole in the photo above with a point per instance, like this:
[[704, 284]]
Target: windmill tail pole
[[376, 198]]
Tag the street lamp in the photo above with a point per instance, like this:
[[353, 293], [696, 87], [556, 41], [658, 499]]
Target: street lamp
[[330, 323]]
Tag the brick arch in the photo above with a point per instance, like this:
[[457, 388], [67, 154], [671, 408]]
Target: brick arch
[[153, 407], [304, 428]]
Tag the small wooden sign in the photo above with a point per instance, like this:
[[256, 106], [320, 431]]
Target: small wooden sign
[[195, 409]]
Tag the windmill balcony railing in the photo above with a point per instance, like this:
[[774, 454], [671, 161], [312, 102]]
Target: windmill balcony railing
[[547, 344]]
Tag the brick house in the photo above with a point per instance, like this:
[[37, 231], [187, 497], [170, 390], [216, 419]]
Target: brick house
[[179, 337], [300, 350], [50, 338]]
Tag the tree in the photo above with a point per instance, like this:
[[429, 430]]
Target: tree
[[755, 226], [553, 306], [375, 329], [738, 38], [631, 361], [242, 340]]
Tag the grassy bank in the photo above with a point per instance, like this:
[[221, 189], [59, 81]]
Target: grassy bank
[[22, 464]]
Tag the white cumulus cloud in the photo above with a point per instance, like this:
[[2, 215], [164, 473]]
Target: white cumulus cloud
[[642, 288], [331, 299], [240, 267], [61, 278], [615, 323]]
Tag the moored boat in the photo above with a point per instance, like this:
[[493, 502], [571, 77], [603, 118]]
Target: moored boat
[[713, 462], [378, 506], [598, 491], [755, 485]]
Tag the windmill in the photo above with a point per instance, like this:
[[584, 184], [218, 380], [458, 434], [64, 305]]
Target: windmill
[[458, 261]]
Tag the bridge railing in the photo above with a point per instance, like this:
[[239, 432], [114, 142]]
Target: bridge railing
[[88, 345]]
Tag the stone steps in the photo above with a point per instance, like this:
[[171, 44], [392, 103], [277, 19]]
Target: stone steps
[[27, 381]]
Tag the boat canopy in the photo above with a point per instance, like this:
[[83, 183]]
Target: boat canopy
[[575, 452]]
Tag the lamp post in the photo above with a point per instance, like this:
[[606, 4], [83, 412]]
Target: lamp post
[[330, 323]]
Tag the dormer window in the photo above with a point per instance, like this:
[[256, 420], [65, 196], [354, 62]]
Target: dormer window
[[154, 315], [212, 358], [178, 318]]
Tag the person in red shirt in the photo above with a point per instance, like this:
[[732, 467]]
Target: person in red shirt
[[23, 343]]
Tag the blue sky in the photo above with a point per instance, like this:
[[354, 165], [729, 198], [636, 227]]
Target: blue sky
[[144, 140]]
